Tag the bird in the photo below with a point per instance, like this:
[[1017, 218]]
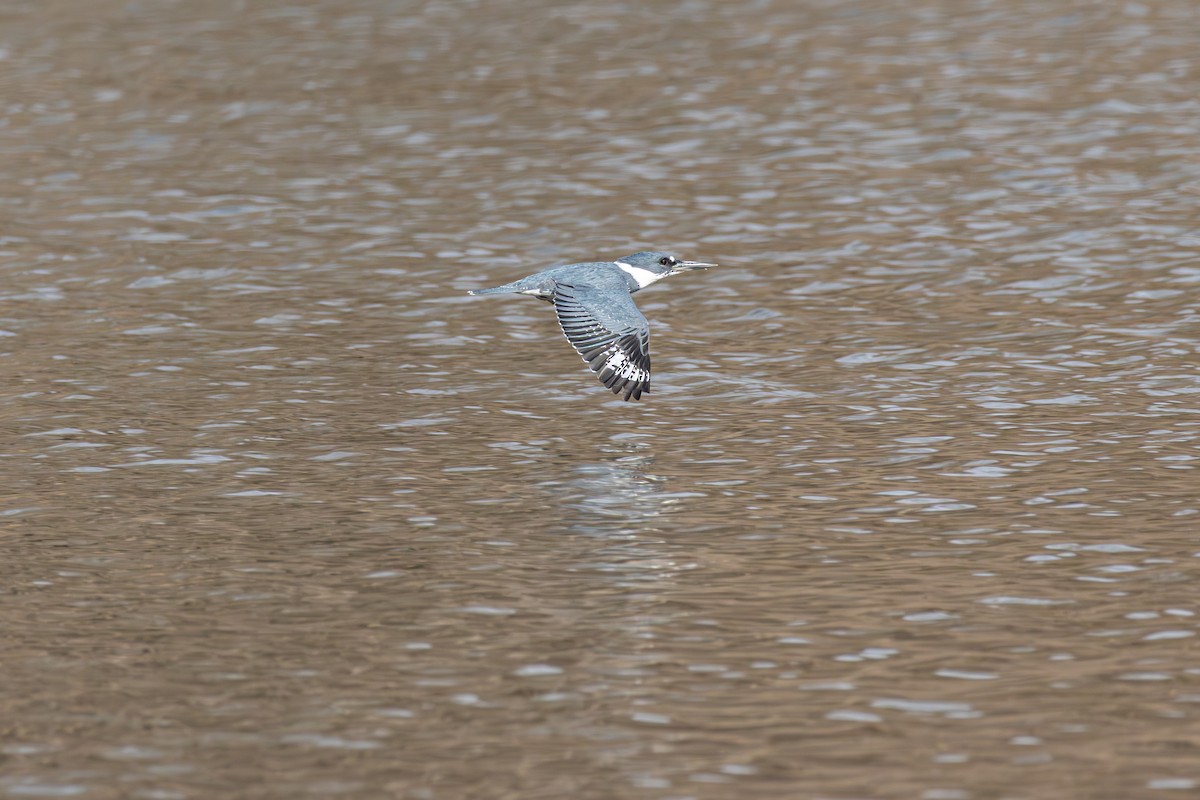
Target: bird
[[594, 304]]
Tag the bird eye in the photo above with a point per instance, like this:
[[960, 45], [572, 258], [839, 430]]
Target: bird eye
[[666, 261]]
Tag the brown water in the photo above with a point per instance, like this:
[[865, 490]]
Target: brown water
[[911, 512]]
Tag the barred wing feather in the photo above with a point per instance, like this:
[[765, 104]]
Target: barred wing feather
[[610, 333]]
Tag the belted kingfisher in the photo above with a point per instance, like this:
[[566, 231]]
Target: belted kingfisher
[[595, 310]]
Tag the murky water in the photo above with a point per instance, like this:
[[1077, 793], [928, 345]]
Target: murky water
[[911, 512]]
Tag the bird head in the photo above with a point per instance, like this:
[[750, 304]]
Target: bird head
[[662, 264]]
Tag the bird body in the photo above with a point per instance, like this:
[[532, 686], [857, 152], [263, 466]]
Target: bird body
[[595, 308]]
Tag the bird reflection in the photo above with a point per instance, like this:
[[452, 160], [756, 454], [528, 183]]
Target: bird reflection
[[620, 502], [615, 510], [620, 491]]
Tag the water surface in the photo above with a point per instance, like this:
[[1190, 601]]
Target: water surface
[[910, 511]]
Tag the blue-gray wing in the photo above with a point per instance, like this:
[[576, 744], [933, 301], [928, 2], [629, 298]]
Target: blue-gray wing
[[607, 329]]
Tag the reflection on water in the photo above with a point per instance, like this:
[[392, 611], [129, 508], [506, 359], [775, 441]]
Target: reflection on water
[[620, 503], [619, 493], [910, 512]]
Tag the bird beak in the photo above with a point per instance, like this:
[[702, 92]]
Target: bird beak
[[688, 266]]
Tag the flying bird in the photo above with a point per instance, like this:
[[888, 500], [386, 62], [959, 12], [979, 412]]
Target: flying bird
[[594, 304]]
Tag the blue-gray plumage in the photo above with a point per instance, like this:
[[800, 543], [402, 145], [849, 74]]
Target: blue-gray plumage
[[595, 310]]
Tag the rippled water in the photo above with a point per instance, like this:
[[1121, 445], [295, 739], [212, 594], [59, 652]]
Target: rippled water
[[910, 512]]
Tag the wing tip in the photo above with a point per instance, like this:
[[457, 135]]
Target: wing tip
[[633, 389]]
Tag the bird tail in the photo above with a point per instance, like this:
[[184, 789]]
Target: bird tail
[[531, 285], [505, 289]]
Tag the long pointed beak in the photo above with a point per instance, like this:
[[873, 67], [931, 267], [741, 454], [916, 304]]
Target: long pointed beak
[[688, 266]]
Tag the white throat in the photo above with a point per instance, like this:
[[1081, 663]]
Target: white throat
[[644, 277]]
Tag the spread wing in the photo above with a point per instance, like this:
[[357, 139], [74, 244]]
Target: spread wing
[[607, 329]]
